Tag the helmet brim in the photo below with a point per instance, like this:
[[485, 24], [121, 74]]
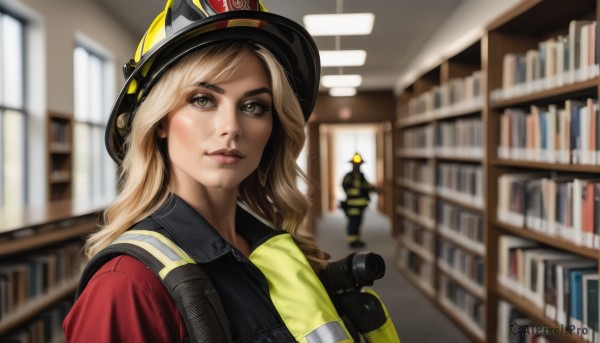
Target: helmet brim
[[288, 41]]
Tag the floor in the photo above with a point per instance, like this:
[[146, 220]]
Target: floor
[[415, 317]]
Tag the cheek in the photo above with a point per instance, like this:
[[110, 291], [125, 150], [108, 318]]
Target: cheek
[[262, 135], [183, 131]]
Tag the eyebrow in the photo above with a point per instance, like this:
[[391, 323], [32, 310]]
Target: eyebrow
[[220, 90]]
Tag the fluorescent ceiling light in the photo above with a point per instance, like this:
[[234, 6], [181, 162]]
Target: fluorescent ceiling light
[[339, 24], [331, 81], [342, 91], [342, 58]]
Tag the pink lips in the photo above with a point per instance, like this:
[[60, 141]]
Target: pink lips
[[226, 156]]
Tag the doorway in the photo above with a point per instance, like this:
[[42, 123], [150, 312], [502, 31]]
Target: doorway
[[338, 143]]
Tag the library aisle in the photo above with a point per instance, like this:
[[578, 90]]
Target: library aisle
[[415, 317]]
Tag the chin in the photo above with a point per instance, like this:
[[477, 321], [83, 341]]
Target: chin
[[222, 181]]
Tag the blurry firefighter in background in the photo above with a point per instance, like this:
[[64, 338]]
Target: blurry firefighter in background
[[358, 191]]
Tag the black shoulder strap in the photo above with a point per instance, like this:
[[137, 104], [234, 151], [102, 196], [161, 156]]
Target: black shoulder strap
[[188, 285]]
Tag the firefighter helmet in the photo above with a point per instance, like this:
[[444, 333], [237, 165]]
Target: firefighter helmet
[[187, 25], [357, 159]]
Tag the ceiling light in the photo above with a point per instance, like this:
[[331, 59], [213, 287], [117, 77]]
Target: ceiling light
[[342, 58], [331, 81], [342, 91], [339, 24]]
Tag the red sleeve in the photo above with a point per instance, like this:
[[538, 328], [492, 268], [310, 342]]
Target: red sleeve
[[124, 302]]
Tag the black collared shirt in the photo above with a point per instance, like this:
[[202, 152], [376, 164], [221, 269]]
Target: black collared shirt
[[242, 288]]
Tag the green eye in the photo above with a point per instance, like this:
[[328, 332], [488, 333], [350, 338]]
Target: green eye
[[254, 108], [201, 100]]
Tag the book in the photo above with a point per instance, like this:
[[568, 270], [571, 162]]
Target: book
[[507, 261], [573, 107], [578, 192], [590, 303], [551, 286], [563, 270], [534, 212], [575, 45], [563, 150], [576, 294], [588, 208], [534, 262]]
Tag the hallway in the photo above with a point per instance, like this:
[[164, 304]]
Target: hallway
[[415, 317]]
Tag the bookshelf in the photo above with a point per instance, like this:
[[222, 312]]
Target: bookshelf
[[438, 222], [515, 180], [60, 156], [40, 263]]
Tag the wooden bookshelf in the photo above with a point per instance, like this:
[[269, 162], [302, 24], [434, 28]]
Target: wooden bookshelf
[[529, 26], [60, 156], [445, 100], [50, 237], [521, 30]]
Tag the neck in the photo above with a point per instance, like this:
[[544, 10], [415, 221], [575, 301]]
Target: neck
[[217, 206]]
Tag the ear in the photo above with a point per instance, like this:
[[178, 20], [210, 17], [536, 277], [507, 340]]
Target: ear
[[161, 131]]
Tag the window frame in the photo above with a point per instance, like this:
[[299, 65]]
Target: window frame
[[100, 185], [23, 111]]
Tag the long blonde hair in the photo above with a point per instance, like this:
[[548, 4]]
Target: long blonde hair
[[144, 180]]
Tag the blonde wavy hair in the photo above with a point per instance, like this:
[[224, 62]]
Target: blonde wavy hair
[[145, 183]]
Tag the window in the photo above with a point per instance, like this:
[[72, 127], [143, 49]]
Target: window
[[93, 170], [13, 115]]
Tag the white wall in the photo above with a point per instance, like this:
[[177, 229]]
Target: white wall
[[464, 26]]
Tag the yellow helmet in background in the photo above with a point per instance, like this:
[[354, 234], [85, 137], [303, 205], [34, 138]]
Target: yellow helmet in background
[[357, 159], [187, 25]]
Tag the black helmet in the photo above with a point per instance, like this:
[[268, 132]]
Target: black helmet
[[186, 25]]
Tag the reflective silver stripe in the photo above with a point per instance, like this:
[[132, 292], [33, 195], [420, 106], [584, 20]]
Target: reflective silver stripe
[[327, 333], [163, 249], [172, 255]]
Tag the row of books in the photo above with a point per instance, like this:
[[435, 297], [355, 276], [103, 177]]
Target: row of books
[[569, 134], [417, 266], [30, 277], [560, 60], [417, 171], [516, 327], [467, 265], [460, 137], [465, 225], [420, 137], [43, 329], [414, 233], [453, 294], [461, 181], [420, 204], [457, 93], [562, 285], [563, 206], [59, 132]]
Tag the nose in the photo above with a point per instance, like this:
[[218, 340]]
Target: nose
[[228, 123]]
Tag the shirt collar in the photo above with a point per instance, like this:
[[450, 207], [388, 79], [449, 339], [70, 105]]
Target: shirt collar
[[198, 238]]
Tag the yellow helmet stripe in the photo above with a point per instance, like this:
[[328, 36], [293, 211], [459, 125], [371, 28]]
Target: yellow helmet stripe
[[155, 33], [263, 8], [200, 7]]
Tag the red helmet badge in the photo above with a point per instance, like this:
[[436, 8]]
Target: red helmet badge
[[221, 6]]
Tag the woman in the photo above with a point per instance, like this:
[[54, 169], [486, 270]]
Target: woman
[[206, 132]]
